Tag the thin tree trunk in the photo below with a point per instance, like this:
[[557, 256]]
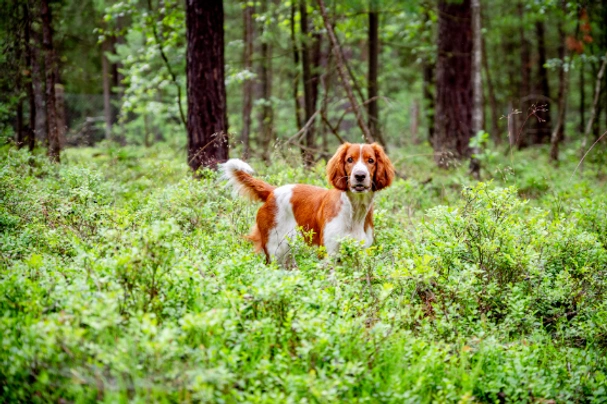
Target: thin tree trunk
[[428, 92], [414, 124], [295, 78], [247, 96], [558, 134], [19, 136], [310, 52], [595, 102], [267, 112], [341, 69], [54, 148], [207, 118], [542, 129], [37, 78], [326, 84], [31, 139], [372, 91], [495, 129], [454, 102], [477, 84], [107, 90], [60, 108], [582, 98], [525, 87]]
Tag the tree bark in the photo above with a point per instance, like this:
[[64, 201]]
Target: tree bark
[[341, 69], [247, 96], [372, 90], [558, 134], [310, 52], [525, 87], [207, 118], [30, 138], [477, 84], [542, 129], [60, 108], [595, 102], [453, 123], [414, 124], [495, 129], [37, 78], [107, 89], [582, 98], [54, 148], [295, 78], [267, 111]]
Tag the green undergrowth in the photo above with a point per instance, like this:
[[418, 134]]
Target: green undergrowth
[[122, 278]]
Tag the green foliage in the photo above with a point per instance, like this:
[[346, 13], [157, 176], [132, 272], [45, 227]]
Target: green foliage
[[122, 278]]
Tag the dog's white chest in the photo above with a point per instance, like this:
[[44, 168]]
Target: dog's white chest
[[349, 222]]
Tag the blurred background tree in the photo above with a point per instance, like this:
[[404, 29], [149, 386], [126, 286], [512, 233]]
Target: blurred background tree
[[119, 71]]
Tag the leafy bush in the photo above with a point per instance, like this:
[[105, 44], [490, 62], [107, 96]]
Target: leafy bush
[[123, 278]]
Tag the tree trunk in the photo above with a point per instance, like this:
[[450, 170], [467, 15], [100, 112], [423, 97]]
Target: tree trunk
[[582, 97], [207, 118], [107, 89], [372, 91], [428, 90], [595, 102], [30, 138], [542, 130], [54, 148], [341, 69], [60, 108], [310, 52], [495, 129], [247, 96], [558, 134], [525, 88], [37, 77], [477, 84], [453, 124], [20, 133], [295, 78], [267, 111], [414, 124]]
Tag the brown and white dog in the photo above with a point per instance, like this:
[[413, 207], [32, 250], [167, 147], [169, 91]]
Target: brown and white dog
[[356, 171]]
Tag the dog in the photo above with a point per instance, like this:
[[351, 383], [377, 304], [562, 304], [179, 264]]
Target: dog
[[356, 171]]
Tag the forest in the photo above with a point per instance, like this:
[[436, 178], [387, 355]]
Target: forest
[[125, 273]]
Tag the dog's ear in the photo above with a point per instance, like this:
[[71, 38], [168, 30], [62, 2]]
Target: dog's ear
[[384, 172], [336, 168]]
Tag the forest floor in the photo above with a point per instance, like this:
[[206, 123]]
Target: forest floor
[[123, 278]]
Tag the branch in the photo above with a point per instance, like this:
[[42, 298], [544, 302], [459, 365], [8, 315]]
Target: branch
[[342, 72], [168, 66]]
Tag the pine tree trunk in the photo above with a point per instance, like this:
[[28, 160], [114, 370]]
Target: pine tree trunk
[[107, 89], [558, 134], [267, 111], [477, 83], [495, 129], [207, 118], [525, 88], [454, 104], [372, 90], [37, 78], [295, 78], [542, 130], [310, 56], [30, 138], [247, 96], [595, 111], [54, 148], [582, 98]]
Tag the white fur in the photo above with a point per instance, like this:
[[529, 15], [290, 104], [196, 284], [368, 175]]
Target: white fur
[[285, 227], [228, 170], [349, 222], [361, 168]]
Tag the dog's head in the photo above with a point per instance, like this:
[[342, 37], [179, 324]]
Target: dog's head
[[360, 168]]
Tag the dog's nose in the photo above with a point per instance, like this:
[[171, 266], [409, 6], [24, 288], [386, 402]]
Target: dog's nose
[[360, 177]]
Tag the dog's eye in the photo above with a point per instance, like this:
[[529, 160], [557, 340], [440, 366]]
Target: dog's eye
[[350, 160], [371, 161]]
